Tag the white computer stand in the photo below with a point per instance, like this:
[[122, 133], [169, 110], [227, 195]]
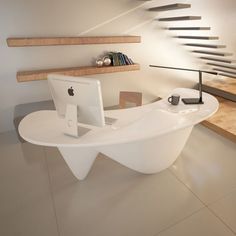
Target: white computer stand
[[71, 120]]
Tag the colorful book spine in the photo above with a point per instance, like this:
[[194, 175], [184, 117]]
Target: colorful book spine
[[126, 60], [119, 59]]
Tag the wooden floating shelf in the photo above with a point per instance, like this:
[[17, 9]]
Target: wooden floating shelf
[[25, 76], [170, 7], [56, 41]]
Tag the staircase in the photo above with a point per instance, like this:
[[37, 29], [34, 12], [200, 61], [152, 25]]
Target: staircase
[[224, 121], [214, 53]]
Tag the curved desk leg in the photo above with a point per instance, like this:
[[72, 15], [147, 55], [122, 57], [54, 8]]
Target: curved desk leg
[[79, 160], [151, 155]]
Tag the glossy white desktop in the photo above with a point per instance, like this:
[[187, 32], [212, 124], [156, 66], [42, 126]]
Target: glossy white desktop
[[147, 139]]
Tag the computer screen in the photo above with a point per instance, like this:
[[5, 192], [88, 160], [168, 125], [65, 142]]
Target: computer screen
[[84, 93]]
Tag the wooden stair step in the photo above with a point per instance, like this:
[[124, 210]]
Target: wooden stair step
[[180, 18], [188, 28], [225, 88], [215, 53], [217, 59], [170, 7], [223, 121], [221, 65], [196, 37], [225, 71], [227, 75], [204, 45]]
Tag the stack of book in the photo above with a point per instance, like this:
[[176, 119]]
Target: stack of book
[[119, 59]]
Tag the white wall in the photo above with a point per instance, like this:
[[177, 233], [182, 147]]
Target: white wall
[[104, 17]]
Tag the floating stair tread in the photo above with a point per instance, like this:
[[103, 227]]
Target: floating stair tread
[[223, 54], [225, 71], [223, 121], [225, 88], [24, 76], [55, 41], [227, 85], [170, 7], [180, 18], [218, 59], [188, 28], [228, 76], [221, 65], [196, 37], [204, 45]]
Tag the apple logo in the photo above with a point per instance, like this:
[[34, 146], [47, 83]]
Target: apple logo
[[71, 91]]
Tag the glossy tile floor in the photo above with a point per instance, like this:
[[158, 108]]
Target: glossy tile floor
[[195, 196]]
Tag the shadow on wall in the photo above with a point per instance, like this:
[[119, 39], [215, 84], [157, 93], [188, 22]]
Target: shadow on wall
[[22, 110]]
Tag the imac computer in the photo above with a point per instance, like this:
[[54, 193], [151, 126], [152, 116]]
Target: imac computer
[[77, 99]]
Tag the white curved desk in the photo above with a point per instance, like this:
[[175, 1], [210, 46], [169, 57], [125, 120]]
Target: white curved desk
[[147, 139]]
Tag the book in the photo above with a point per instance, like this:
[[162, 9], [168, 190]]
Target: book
[[131, 62], [123, 59], [116, 59], [119, 59], [127, 60]]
